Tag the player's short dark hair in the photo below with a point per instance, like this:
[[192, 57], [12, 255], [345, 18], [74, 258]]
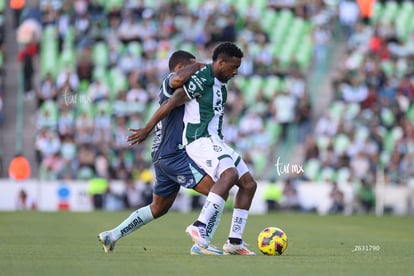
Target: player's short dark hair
[[227, 50], [178, 57]]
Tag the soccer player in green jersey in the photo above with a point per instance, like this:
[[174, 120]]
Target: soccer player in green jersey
[[203, 140], [204, 98]]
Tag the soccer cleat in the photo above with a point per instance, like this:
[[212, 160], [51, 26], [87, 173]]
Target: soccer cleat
[[198, 234], [237, 249], [210, 250], [107, 243]]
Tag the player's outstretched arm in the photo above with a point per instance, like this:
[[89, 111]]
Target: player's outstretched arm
[[139, 135], [184, 74]]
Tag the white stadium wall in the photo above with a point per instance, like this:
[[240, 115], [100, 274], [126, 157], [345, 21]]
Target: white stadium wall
[[57, 195]]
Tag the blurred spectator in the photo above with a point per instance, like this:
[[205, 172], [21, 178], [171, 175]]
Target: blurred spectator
[[84, 122], [52, 166], [86, 156], [102, 165], [19, 168], [113, 201], [387, 92], [26, 56], [132, 194], [97, 187], [250, 123], [146, 178], [337, 197], [366, 8], [119, 133], [272, 195], [66, 122], [355, 92], [46, 120], [102, 127], [25, 201], [303, 118], [290, 200], [17, 7], [321, 38], [263, 56], [348, 16], [311, 148], [47, 90], [326, 125], [283, 110], [68, 149], [67, 76], [146, 193], [84, 65], [359, 165], [48, 143], [137, 95], [366, 196], [129, 30], [98, 91]]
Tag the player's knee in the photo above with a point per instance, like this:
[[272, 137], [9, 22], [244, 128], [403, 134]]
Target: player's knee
[[251, 186], [248, 183], [158, 210], [231, 175], [227, 170]]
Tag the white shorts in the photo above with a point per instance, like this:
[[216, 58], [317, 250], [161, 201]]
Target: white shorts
[[207, 152]]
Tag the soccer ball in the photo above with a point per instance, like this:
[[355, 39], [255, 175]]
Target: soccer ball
[[272, 241]]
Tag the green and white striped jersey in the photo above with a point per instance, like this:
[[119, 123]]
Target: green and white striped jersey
[[203, 115]]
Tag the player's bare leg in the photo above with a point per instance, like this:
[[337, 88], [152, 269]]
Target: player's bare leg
[[243, 200], [159, 207]]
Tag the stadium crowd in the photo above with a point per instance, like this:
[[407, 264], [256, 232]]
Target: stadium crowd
[[368, 129], [101, 63]]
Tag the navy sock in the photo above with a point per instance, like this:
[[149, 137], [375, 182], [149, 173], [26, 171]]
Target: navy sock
[[199, 223], [235, 241]]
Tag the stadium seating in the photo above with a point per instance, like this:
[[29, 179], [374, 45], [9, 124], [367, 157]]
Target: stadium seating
[[289, 39]]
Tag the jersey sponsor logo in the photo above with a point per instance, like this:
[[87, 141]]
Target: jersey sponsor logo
[[192, 87], [131, 226], [196, 80], [212, 221], [218, 106]]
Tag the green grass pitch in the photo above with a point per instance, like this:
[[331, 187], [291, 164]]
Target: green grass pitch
[[35, 243]]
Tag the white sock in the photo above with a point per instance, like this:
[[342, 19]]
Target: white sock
[[213, 223], [137, 219], [238, 223], [212, 206]]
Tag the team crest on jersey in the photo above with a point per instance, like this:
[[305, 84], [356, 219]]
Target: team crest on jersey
[[181, 179], [217, 148]]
